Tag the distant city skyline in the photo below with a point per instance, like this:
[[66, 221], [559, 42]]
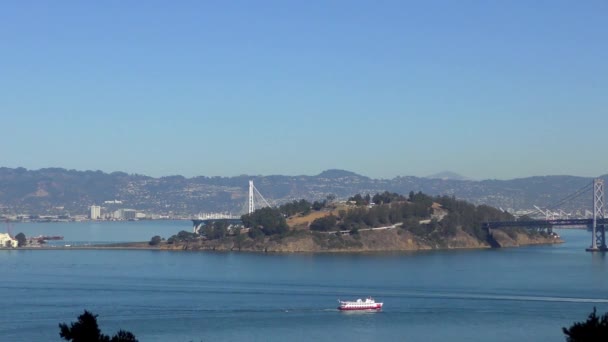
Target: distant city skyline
[[486, 90]]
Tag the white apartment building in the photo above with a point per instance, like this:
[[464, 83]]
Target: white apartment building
[[7, 241], [95, 212]]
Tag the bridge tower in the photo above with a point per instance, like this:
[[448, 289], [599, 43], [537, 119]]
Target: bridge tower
[[251, 205], [262, 202], [598, 238], [254, 197]]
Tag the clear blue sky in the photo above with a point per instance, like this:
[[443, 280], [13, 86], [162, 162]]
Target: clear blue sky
[[488, 89]]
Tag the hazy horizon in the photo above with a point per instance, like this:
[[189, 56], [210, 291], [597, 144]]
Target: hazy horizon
[[434, 175], [486, 90]]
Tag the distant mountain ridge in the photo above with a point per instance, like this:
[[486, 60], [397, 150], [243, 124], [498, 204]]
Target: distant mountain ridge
[[57, 190]]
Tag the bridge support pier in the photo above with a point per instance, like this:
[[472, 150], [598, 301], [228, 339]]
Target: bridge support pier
[[599, 239]]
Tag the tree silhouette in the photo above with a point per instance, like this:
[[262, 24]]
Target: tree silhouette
[[595, 329], [21, 239], [123, 336], [87, 330], [155, 240], [269, 220]]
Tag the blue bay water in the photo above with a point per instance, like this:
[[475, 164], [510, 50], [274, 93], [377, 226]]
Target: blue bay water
[[521, 294]]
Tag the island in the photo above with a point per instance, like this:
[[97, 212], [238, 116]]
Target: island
[[385, 222]]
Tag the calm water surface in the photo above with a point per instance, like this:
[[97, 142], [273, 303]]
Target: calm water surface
[[519, 294]]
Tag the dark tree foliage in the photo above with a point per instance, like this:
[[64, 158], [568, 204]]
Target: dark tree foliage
[[318, 205], [123, 336], [420, 198], [392, 208], [469, 217], [185, 235], [84, 330], [295, 207], [215, 230], [383, 214], [358, 199], [21, 239], [255, 233], [450, 223], [414, 226], [324, 224], [387, 197], [87, 330], [239, 240], [155, 240], [269, 220], [182, 236], [594, 329]]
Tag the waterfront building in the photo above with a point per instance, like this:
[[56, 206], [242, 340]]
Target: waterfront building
[[95, 212], [7, 241], [124, 214], [128, 214]]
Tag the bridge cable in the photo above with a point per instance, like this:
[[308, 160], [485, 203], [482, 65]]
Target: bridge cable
[[572, 196]]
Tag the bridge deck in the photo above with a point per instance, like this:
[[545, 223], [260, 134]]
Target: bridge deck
[[543, 223], [205, 221]]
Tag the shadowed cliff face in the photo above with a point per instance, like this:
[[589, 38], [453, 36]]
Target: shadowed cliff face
[[516, 239]]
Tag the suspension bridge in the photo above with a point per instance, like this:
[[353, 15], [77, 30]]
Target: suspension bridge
[[597, 224], [255, 200]]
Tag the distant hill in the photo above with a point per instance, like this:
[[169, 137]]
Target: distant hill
[[335, 173], [58, 191]]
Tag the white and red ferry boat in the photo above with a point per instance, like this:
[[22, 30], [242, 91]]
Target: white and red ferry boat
[[359, 304]]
